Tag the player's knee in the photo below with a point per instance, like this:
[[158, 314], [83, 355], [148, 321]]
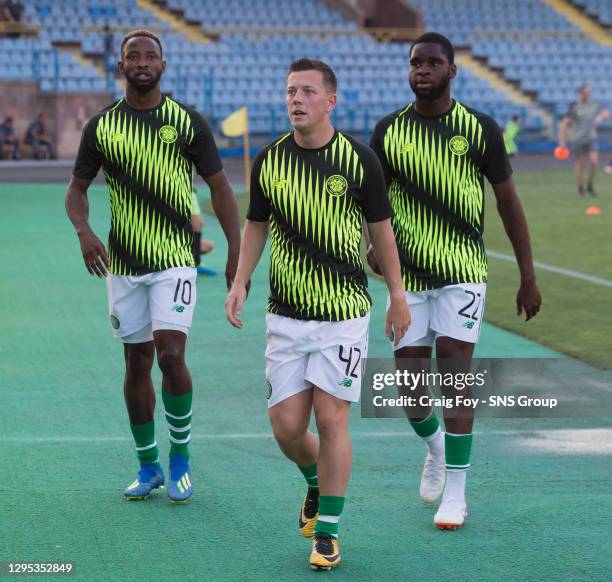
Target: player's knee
[[138, 362], [287, 433], [170, 361], [330, 426]]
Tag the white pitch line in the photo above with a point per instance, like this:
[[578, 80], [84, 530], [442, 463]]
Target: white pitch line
[[553, 269], [231, 436]]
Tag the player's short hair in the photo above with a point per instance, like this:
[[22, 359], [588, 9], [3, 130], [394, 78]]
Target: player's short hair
[[141, 32], [329, 77], [439, 39]]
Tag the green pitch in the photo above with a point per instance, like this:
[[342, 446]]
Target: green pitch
[[538, 490]]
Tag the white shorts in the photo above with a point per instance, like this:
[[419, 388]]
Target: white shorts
[[453, 311], [301, 354], [140, 305]]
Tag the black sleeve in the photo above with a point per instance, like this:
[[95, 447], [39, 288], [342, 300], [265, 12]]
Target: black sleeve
[[377, 145], [374, 198], [496, 166], [89, 158], [571, 112], [202, 150], [259, 204]]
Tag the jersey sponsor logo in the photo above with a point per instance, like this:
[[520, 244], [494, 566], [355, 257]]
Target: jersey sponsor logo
[[178, 308], [407, 148], [115, 322], [347, 383], [279, 184], [117, 138], [336, 185], [168, 134], [459, 145]]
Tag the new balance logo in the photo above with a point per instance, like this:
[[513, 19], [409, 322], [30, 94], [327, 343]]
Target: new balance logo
[[117, 137], [178, 308], [468, 324], [407, 148], [347, 383], [279, 184]]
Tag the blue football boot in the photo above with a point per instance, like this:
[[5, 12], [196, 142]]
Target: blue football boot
[[179, 487], [149, 477]]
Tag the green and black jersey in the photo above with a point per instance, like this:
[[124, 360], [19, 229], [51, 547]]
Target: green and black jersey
[[147, 158], [435, 168], [315, 200]]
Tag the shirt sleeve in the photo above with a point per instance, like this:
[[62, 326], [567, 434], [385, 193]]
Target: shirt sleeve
[[374, 198], [89, 158], [496, 163], [202, 151], [259, 204], [377, 145]]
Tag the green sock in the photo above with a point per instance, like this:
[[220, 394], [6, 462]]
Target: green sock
[[458, 450], [330, 508], [310, 474], [178, 415], [146, 446], [426, 427]]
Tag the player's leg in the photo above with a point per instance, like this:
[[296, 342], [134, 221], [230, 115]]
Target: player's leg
[[289, 420], [172, 297], [593, 157], [335, 368], [289, 406], [140, 402], [579, 167], [335, 462], [456, 316], [413, 354], [130, 321]]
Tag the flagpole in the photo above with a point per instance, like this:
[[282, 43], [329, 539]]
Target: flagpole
[[247, 153]]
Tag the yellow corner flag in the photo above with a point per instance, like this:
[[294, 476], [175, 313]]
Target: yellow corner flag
[[236, 123]]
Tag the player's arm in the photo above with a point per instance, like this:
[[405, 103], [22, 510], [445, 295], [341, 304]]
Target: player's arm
[[77, 207], [226, 209], [385, 249], [602, 116], [528, 298], [563, 128], [376, 145], [253, 243], [86, 166]]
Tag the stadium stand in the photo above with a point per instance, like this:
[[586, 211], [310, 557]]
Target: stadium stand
[[526, 40]]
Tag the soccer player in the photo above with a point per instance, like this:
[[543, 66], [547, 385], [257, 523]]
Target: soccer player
[[582, 118], [146, 144], [435, 154], [200, 247], [311, 188], [511, 130]]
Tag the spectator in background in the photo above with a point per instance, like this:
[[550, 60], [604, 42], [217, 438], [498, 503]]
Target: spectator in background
[[583, 117], [38, 137], [11, 11], [15, 8], [110, 65], [9, 142], [511, 130]]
